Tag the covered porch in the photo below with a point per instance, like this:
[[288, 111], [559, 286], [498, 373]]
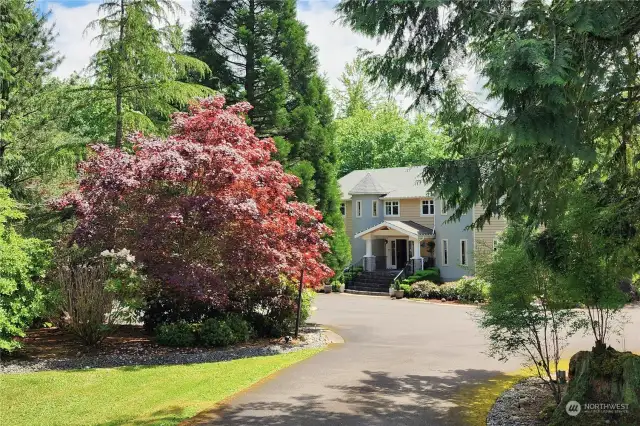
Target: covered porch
[[393, 243]]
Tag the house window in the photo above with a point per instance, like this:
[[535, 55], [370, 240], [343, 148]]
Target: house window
[[427, 208], [392, 208], [343, 209], [374, 208], [445, 252], [463, 252], [358, 208]]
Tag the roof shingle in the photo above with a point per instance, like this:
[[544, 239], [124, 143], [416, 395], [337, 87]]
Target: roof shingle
[[395, 182]]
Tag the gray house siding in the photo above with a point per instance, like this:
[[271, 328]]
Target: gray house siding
[[365, 222], [453, 233]]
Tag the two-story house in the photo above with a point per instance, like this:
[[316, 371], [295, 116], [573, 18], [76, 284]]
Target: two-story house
[[392, 218]]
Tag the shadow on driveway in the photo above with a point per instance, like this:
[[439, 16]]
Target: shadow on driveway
[[376, 399]]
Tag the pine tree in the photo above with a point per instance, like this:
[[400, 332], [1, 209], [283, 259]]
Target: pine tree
[[258, 52], [141, 66]]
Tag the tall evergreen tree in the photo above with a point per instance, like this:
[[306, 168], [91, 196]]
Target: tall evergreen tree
[[141, 66], [258, 52], [567, 76], [26, 59]]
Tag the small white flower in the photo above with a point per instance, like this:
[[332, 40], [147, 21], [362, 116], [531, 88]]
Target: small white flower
[[131, 258]]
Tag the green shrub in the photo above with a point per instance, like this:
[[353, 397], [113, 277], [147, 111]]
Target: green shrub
[[176, 334], [335, 286], [216, 332], [407, 290], [449, 291], [23, 262], [275, 315], [426, 290], [472, 289], [430, 274], [240, 328]]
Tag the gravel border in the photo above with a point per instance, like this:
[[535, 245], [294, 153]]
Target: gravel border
[[520, 404], [311, 337]]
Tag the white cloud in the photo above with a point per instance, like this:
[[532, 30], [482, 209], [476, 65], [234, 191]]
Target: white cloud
[[336, 44], [72, 43]]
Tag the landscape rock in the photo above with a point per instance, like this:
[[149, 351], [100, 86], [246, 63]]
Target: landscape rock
[[310, 337]]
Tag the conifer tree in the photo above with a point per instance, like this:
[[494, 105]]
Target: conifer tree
[[258, 52], [27, 58], [566, 77], [142, 67]]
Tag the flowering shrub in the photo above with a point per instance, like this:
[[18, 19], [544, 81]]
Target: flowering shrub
[[205, 210], [126, 282], [426, 290], [98, 292]]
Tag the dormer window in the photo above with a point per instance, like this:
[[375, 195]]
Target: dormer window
[[427, 208]]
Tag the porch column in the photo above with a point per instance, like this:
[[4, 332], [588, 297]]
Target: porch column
[[369, 258], [416, 259]]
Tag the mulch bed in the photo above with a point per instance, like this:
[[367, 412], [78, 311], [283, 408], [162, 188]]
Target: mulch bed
[[57, 349], [54, 343]]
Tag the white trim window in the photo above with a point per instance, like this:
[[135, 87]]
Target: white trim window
[[358, 208], [427, 208], [343, 209], [463, 253], [374, 208], [392, 208], [445, 252]]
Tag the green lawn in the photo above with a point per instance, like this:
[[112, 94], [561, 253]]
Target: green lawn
[[163, 395]]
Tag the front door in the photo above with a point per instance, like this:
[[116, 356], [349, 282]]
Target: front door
[[401, 253]]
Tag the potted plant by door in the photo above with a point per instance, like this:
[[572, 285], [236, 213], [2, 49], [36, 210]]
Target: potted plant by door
[[328, 288], [398, 293]]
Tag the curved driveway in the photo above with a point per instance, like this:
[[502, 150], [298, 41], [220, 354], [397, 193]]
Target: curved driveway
[[401, 364]]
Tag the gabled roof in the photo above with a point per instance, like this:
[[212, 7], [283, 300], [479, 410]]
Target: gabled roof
[[407, 227], [368, 185], [395, 182]]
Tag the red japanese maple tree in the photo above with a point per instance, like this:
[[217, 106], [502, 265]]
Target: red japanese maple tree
[[204, 209]]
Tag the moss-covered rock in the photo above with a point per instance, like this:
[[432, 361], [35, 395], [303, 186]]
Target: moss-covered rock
[[602, 376]]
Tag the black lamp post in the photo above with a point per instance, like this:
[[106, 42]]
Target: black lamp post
[[299, 302]]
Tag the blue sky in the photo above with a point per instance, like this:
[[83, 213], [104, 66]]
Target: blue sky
[[302, 4], [336, 45]]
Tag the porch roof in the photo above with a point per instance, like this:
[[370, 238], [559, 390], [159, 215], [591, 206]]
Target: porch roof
[[407, 227]]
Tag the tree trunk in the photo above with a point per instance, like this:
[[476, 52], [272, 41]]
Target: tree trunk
[[4, 114], [250, 76], [120, 63]]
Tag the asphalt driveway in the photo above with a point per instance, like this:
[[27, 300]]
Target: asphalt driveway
[[402, 363]]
